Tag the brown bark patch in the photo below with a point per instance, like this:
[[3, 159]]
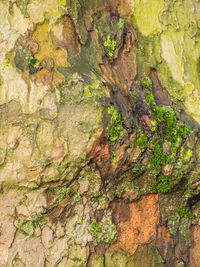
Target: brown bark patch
[[101, 156], [194, 260], [121, 211], [64, 35], [122, 7], [161, 95], [165, 244]]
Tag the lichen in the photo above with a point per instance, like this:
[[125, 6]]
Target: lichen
[[62, 192], [102, 232]]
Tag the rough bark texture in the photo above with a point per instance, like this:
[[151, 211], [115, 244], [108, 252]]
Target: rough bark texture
[[99, 133]]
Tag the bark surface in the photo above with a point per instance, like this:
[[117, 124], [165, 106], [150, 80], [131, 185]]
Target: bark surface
[[99, 133]]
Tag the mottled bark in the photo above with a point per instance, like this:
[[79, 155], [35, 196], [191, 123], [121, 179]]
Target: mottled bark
[[99, 133]]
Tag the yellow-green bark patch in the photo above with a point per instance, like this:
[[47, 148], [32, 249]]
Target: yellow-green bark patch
[[146, 14]]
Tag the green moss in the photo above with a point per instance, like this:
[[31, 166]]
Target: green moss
[[110, 45], [115, 128], [158, 157], [102, 200], [165, 115], [121, 23], [146, 83], [113, 157], [164, 184], [34, 65], [149, 99], [183, 212], [181, 264], [179, 176], [27, 226], [141, 139], [94, 196], [110, 237], [133, 96]]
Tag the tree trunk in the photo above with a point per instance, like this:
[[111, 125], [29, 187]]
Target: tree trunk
[[99, 133]]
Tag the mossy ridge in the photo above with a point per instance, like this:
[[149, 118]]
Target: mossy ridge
[[168, 128], [174, 129]]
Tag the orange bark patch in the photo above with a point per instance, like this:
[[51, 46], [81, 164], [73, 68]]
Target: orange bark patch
[[140, 227]]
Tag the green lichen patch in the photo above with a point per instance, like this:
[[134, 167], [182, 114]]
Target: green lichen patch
[[146, 16], [22, 4], [61, 192], [102, 232], [22, 58], [25, 226], [28, 226]]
